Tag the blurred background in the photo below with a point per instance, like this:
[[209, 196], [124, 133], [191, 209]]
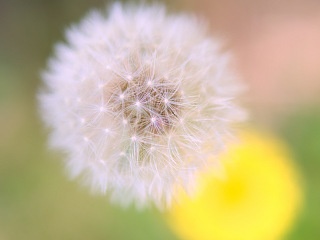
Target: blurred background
[[277, 53]]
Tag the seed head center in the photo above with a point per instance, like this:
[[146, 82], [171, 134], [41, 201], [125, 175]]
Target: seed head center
[[149, 108]]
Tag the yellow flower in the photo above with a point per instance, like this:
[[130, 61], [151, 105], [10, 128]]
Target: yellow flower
[[256, 200]]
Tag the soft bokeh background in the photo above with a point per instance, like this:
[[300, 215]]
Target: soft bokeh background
[[276, 46]]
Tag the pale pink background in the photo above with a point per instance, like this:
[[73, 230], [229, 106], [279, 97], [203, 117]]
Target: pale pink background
[[276, 44]]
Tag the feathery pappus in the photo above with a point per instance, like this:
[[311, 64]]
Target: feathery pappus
[[138, 100]]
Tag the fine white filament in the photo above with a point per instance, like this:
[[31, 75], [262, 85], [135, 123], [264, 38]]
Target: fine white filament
[[138, 100]]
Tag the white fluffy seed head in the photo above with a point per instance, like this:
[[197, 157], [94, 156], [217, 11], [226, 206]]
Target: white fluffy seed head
[[134, 97]]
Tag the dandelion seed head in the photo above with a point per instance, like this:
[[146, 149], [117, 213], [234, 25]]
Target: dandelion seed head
[[149, 91]]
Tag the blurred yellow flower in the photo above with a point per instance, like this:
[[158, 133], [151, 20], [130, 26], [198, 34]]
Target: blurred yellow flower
[[257, 199]]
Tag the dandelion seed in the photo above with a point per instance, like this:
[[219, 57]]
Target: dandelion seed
[[134, 138], [129, 77], [138, 104], [153, 119], [82, 120], [102, 162], [152, 71]]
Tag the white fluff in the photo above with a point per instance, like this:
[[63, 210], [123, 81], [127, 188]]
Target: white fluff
[[138, 100]]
